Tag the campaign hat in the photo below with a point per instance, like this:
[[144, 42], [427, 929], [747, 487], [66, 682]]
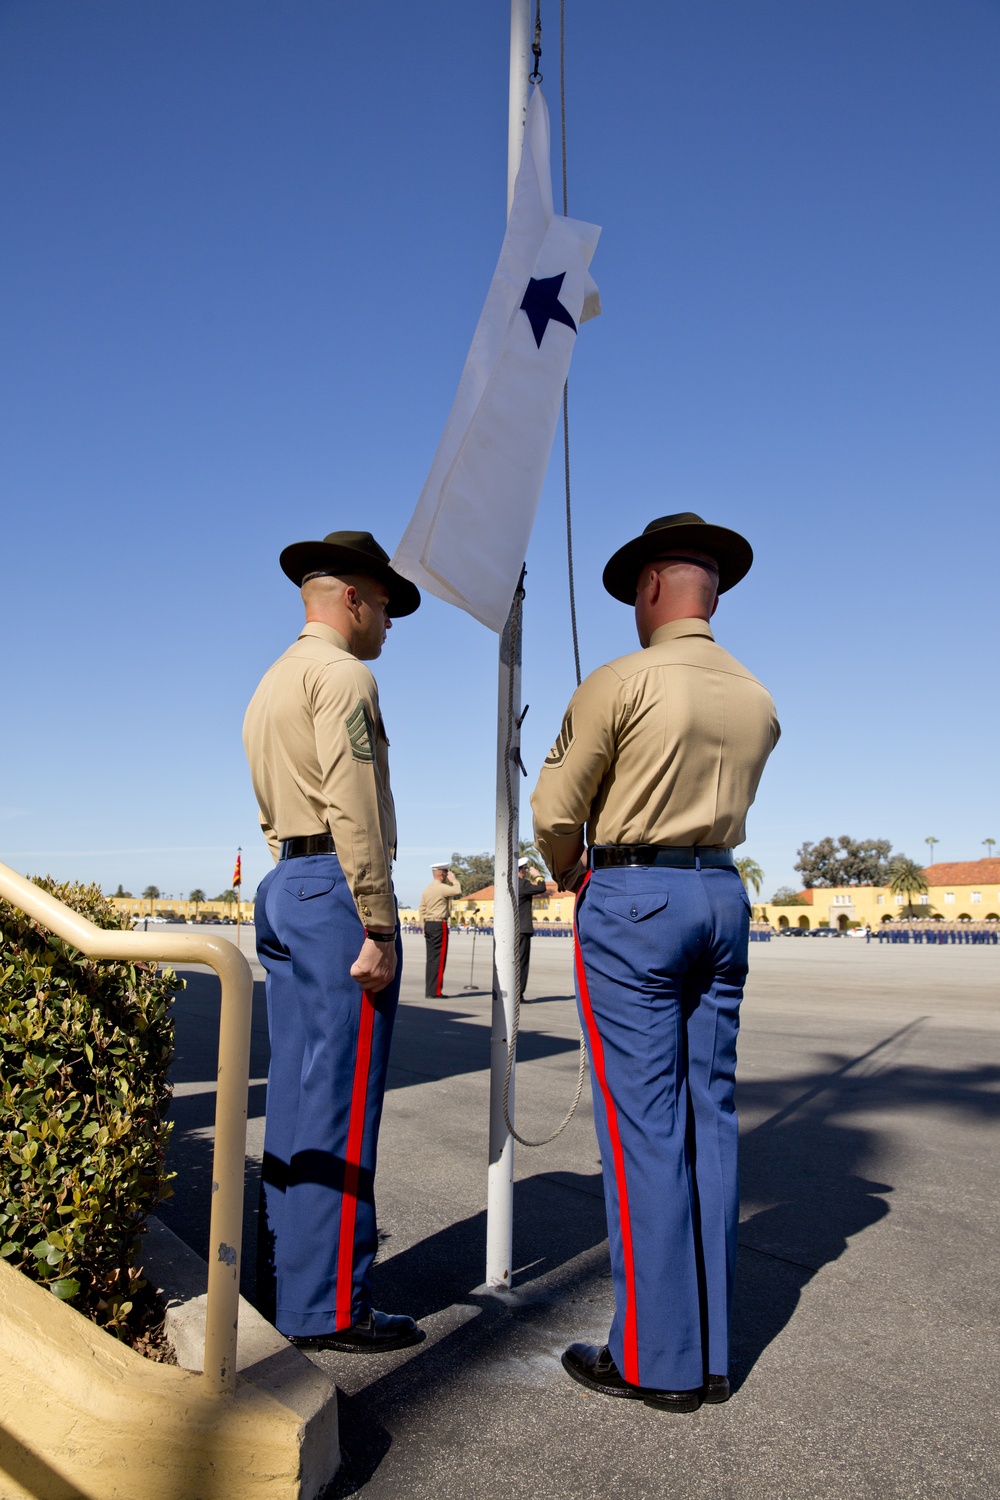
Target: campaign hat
[[351, 552], [669, 536]]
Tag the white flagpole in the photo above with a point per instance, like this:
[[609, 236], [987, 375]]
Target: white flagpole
[[500, 1185]]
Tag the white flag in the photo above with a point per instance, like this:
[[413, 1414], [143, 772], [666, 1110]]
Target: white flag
[[469, 533]]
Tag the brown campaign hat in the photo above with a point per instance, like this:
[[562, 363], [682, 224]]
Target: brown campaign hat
[[670, 535], [351, 552]]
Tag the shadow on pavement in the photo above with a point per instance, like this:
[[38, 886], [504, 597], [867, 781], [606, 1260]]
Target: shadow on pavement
[[557, 1216], [812, 1177], [434, 1040]]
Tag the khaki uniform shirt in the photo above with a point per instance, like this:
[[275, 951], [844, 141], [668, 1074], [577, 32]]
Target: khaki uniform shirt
[[319, 761], [435, 902], [665, 746]]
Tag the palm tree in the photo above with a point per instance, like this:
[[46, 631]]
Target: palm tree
[[930, 844], [151, 894], [989, 847], [535, 862], [751, 873], [906, 878], [197, 897]]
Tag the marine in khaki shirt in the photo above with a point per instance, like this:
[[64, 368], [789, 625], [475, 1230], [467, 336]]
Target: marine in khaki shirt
[[436, 898], [663, 746], [319, 761], [326, 933], [655, 766]]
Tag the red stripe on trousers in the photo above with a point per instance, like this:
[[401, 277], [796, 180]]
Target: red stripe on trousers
[[352, 1166], [444, 955], [631, 1339]]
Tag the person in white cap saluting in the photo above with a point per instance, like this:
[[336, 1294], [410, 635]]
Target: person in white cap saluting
[[434, 911]]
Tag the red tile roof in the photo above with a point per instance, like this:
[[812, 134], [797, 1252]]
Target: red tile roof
[[967, 872], [486, 894]]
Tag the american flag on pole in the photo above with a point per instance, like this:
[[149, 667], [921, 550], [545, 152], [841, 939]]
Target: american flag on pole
[[469, 533]]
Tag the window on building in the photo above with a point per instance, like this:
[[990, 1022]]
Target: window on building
[[925, 900], [880, 900], [900, 900], [977, 896], [949, 898]]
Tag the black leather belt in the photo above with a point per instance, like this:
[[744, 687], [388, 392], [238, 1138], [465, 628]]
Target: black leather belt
[[309, 843], [665, 856]]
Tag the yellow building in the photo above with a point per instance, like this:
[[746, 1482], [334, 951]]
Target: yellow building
[[140, 906], [555, 908], [966, 891]]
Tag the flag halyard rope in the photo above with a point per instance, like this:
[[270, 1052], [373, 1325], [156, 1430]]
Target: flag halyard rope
[[510, 752]]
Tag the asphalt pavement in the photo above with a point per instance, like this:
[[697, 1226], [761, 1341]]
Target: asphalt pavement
[[867, 1293]]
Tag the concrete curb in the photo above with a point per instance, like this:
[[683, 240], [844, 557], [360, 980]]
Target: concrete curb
[[264, 1357], [83, 1417]]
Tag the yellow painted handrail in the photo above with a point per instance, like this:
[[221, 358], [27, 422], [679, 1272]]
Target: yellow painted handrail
[[226, 1229]]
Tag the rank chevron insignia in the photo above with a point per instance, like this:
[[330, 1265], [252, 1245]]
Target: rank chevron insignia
[[558, 752], [359, 732]]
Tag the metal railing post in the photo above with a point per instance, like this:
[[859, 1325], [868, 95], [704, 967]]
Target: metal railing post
[[236, 980]]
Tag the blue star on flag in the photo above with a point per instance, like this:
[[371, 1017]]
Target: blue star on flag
[[541, 303]]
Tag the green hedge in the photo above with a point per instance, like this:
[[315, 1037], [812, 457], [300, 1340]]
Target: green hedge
[[85, 1050]]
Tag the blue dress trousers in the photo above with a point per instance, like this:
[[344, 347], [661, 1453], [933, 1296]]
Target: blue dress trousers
[[661, 960], [329, 1055]]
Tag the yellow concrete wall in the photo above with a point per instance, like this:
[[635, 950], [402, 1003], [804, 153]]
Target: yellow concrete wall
[[873, 904], [82, 1417]]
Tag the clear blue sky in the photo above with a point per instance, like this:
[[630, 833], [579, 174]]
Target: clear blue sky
[[243, 248]]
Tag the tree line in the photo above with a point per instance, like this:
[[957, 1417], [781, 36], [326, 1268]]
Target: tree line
[[844, 861]]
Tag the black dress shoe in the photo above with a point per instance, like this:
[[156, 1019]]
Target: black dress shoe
[[716, 1390], [594, 1368], [369, 1335]]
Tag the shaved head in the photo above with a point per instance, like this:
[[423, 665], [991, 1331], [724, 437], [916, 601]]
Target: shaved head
[[675, 588], [354, 605]]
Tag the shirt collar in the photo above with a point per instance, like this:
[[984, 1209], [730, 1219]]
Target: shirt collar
[[325, 633], [677, 628]]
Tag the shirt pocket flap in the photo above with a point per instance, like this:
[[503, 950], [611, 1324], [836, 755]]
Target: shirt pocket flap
[[636, 908], [307, 886]]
